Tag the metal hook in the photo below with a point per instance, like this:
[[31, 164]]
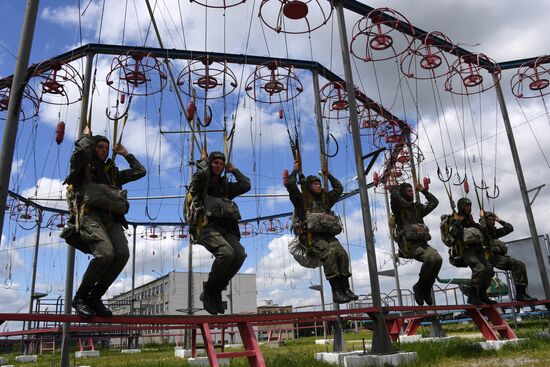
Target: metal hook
[[337, 146], [496, 193], [448, 173], [117, 116], [482, 187], [460, 181]]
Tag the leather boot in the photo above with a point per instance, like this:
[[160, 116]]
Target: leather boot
[[427, 293], [418, 293], [473, 298], [482, 295], [80, 302], [521, 294], [209, 302], [347, 290], [338, 295], [95, 300], [219, 302]]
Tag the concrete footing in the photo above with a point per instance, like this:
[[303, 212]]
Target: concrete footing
[[87, 354], [275, 344], [182, 353], [335, 357], [130, 351], [409, 338], [380, 360], [239, 345], [324, 341], [179, 352], [418, 338], [497, 344], [359, 359], [27, 359], [203, 361]]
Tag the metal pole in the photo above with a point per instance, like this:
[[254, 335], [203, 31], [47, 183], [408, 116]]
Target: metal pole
[[34, 265], [394, 257], [381, 343], [69, 280], [523, 189], [339, 343], [322, 293], [14, 106], [353, 303], [190, 290], [131, 342], [324, 163], [232, 331]]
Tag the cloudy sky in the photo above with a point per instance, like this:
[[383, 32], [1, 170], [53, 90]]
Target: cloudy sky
[[463, 133]]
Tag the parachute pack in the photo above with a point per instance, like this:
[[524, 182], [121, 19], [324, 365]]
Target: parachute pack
[[455, 258], [444, 227]]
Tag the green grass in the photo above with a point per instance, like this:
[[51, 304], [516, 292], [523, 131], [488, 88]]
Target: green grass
[[457, 352]]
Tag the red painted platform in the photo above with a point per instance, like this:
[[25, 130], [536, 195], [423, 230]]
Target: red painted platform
[[486, 317]]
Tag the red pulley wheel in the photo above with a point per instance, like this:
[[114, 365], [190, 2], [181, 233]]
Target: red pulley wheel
[[295, 10]]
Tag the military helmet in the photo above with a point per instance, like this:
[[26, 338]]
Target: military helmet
[[97, 138], [489, 214], [309, 180], [462, 202], [216, 155], [402, 188]]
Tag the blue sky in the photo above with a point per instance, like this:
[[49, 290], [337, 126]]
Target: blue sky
[[261, 145]]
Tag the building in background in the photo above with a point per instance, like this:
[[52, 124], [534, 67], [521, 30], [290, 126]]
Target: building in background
[[168, 295], [274, 332]]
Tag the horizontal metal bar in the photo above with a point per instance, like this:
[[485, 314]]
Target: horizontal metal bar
[[243, 318]]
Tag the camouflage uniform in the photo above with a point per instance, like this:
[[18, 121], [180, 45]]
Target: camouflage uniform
[[325, 246], [410, 212], [100, 231], [500, 260], [475, 255], [219, 236]]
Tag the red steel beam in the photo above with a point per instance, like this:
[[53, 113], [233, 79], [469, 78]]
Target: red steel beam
[[160, 322]]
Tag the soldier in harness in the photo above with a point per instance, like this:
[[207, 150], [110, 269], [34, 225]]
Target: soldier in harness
[[471, 251], [413, 236], [213, 217], [316, 225], [499, 258], [97, 204]]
